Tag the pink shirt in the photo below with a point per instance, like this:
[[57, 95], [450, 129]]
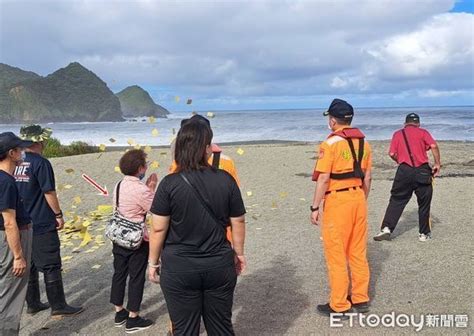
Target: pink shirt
[[420, 141], [135, 199]]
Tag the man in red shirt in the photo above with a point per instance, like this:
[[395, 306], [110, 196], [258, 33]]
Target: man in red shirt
[[409, 148]]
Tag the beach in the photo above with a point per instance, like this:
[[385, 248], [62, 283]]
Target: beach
[[286, 275]]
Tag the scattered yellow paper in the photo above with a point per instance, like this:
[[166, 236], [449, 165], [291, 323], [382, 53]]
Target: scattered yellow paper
[[96, 267], [274, 205], [87, 238], [131, 142], [249, 193], [151, 119], [65, 258], [86, 223], [240, 151], [303, 199], [104, 209], [77, 199], [69, 170], [102, 147], [177, 99], [154, 165], [283, 194], [117, 169], [155, 132], [67, 186], [147, 149], [137, 146], [210, 115]]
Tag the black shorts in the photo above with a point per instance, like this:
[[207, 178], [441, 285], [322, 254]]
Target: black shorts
[[46, 256]]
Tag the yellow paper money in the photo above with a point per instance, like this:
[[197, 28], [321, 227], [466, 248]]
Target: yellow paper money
[[155, 132]]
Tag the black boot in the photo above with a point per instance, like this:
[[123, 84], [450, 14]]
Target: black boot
[[33, 295], [55, 293]]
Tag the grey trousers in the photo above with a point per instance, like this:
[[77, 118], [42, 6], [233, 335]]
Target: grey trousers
[[12, 288]]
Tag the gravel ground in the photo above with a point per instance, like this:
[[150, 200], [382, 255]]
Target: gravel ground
[[286, 275]]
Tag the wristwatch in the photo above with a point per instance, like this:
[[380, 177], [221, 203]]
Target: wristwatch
[[59, 214], [314, 209]]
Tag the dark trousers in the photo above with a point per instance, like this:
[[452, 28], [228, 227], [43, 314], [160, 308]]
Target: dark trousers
[[129, 264], [192, 295], [409, 180], [46, 255]]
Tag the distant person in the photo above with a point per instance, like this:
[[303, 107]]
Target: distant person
[[15, 237], [36, 183], [133, 199], [343, 176], [191, 209], [414, 174]]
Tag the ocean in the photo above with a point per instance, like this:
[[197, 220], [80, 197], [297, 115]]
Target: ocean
[[444, 123]]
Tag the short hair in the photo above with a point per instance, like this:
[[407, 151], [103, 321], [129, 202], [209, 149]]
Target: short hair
[[131, 162], [343, 121], [3, 156], [191, 143]]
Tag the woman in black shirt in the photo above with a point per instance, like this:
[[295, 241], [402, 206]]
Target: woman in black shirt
[[191, 210]]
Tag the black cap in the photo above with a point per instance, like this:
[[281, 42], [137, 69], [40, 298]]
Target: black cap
[[412, 118], [196, 117], [340, 109], [8, 141]]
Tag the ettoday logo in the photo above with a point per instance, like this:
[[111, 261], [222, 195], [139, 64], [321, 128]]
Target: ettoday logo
[[392, 320]]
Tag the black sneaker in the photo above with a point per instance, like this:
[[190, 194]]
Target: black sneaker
[[361, 307], [326, 310], [135, 324], [121, 317]]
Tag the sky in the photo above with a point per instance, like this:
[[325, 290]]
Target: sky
[[262, 54]]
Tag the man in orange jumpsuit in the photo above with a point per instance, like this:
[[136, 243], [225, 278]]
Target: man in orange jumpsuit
[[343, 179]]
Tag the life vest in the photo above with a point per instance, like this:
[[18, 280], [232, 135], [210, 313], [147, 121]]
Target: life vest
[[349, 134]]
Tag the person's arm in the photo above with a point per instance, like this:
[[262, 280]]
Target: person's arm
[[367, 182], [437, 160], [238, 241], [393, 150], [14, 243], [159, 228], [53, 202], [319, 193]]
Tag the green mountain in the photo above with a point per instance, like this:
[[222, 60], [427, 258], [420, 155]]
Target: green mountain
[[136, 102], [72, 93]]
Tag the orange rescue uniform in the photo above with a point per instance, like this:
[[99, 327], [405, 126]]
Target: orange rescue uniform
[[344, 222], [225, 163]]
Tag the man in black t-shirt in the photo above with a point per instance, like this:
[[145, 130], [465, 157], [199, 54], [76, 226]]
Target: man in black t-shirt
[[35, 181], [15, 237]]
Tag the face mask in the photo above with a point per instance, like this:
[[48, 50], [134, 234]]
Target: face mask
[[141, 176]]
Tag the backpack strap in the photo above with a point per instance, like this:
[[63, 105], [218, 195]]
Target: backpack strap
[[216, 158], [408, 148], [117, 191]]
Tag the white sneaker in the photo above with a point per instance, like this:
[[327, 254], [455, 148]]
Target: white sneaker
[[384, 234], [422, 237]]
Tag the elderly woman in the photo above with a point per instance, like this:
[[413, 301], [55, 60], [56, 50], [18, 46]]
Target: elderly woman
[[191, 210], [134, 202]]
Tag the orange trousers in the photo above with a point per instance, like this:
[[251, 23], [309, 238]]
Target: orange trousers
[[344, 232]]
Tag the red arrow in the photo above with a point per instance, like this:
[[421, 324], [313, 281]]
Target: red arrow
[[103, 190]]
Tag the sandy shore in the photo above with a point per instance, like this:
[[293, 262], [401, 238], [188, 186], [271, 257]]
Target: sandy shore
[[286, 275]]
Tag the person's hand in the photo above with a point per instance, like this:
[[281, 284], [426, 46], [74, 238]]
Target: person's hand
[[315, 218], [240, 264], [153, 275], [152, 181], [19, 266], [436, 169], [59, 223]]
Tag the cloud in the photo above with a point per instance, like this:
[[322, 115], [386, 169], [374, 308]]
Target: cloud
[[248, 50]]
